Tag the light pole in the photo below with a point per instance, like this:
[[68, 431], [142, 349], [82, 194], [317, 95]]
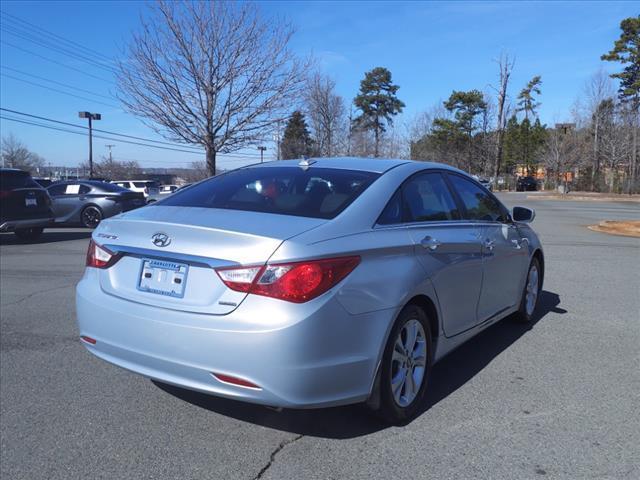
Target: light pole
[[262, 149], [91, 117]]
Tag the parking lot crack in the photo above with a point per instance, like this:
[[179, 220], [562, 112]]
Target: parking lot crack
[[275, 452], [22, 299]]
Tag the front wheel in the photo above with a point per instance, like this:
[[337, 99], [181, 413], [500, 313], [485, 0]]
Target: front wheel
[[406, 366], [28, 234], [530, 293], [91, 216]]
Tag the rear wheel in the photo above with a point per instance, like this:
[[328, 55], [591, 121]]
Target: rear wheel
[[91, 216], [530, 293], [406, 366], [28, 233]]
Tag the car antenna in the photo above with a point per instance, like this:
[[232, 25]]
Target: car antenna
[[305, 163]]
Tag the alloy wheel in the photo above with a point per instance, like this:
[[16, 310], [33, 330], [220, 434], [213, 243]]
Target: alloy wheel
[[91, 217], [408, 362], [531, 295]]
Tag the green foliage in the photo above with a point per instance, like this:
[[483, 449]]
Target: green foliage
[[456, 136], [523, 143], [526, 100], [466, 106], [377, 102], [296, 141], [626, 50]]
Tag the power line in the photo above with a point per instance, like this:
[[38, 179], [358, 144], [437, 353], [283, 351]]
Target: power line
[[17, 112], [55, 62], [66, 130], [57, 83], [11, 30], [96, 136], [58, 91], [51, 34]]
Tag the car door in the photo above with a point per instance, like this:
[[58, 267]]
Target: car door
[[448, 249], [504, 256], [66, 200]]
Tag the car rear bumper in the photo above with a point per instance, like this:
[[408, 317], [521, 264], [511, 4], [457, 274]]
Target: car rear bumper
[[11, 225], [300, 355]]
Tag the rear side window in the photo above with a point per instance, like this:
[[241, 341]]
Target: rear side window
[[478, 204], [315, 192], [10, 180], [423, 198]]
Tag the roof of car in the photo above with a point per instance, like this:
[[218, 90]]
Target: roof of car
[[376, 165]]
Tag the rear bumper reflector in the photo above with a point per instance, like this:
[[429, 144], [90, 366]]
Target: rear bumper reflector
[[238, 382], [90, 340]]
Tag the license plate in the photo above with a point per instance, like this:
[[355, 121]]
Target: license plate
[[163, 278], [31, 202]]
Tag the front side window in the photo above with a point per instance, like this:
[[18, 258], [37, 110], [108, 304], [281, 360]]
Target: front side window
[[315, 192], [478, 204], [55, 190]]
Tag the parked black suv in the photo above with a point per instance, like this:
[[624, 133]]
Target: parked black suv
[[526, 184], [25, 207]]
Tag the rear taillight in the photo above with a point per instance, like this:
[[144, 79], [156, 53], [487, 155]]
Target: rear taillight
[[99, 256], [294, 282]]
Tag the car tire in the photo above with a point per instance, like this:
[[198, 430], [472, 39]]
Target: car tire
[[406, 367], [28, 234], [530, 293], [91, 216]]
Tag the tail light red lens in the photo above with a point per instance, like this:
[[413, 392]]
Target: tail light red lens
[[99, 256], [296, 282]]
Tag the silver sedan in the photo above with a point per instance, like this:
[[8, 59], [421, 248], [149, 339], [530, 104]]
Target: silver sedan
[[308, 284]]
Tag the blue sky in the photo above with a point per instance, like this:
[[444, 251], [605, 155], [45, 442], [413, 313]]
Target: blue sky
[[431, 49]]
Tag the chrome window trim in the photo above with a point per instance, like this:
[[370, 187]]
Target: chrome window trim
[[179, 257]]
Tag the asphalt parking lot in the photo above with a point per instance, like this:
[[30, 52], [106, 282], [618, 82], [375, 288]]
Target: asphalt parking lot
[[558, 399]]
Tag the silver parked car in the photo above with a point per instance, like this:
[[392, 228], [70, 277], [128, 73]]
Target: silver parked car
[[310, 284], [87, 202]]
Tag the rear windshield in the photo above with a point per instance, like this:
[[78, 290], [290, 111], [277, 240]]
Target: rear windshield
[[315, 192], [146, 184], [108, 187], [10, 180]]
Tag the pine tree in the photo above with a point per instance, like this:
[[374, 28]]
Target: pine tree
[[626, 50], [296, 141], [378, 103], [526, 101]]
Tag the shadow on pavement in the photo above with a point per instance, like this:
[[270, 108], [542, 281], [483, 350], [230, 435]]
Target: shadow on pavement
[[351, 421], [46, 237]]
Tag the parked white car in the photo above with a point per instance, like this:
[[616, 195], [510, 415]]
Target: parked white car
[[147, 187]]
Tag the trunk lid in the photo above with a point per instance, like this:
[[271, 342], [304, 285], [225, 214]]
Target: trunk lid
[[198, 238]]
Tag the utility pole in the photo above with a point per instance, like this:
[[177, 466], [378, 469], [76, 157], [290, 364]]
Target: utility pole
[[91, 117], [262, 149], [110, 147]]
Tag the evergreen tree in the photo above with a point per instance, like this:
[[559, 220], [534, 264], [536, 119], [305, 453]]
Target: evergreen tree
[[378, 103], [626, 50], [296, 141], [526, 101], [465, 107]]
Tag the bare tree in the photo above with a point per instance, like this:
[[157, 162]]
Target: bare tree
[[210, 73], [506, 65], [597, 90], [15, 154], [326, 112], [112, 169]]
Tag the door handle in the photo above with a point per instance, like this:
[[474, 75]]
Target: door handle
[[430, 243], [489, 244]]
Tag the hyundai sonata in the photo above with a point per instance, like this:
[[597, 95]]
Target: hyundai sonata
[[308, 284]]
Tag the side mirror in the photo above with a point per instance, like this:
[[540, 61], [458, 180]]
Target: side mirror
[[523, 214]]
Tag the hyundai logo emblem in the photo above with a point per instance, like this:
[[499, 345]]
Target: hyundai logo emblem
[[160, 239]]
